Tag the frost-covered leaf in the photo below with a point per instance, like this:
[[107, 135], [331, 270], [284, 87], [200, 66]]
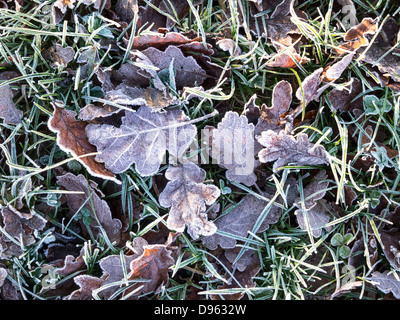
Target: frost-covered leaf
[[285, 149], [143, 139], [315, 217], [310, 87], [335, 71], [187, 196], [131, 96], [240, 221], [387, 63], [8, 110], [344, 98], [314, 211], [91, 112], [281, 101], [386, 282], [89, 198], [87, 284], [19, 230], [229, 45], [153, 264], [58, 55], [233, 147], [71, 137], [356, 36], [188, 72]]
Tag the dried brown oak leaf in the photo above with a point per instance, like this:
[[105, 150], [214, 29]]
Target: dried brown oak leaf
[[153, 264], [284, 149], [386, 282], [161, 41], [143, 139], [280, 104], [8, 110], [356, 36], [149, 262], [232, 145], [89, 197], [87, 284], [71, 137], [314, 211], [19, 230], [187, 196]]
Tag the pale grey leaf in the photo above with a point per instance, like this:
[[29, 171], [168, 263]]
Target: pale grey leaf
[[285, 149], [143, 139], [187, 197], [8, 110], [386, 282], [240, 221], [314, 218], [233, 148], [188, 72], [335, 71], [309, 87]]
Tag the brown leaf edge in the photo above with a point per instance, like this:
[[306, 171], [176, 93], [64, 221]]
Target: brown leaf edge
[[68, 129]]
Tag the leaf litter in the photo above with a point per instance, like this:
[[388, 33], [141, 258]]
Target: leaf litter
[[151, 145]]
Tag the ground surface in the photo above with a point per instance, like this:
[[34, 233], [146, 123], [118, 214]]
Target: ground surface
[[188, 150]]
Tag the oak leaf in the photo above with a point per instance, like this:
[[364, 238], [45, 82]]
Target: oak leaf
[[233, 147], [314, 212], [284, 149], [240, 220], [19, 231], [8, 110], [187, 196], [71, 137], [143, 139], [386, 282], [89, 198]]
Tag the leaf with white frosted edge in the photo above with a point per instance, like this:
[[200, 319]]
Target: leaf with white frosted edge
[[8, 110], [187, 197], [131, 96], [233, 148], [188, 72], [335, 71], [285, 149], [315, 217], [143, 139], [387, 283], [71, 137], [310, 87]]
